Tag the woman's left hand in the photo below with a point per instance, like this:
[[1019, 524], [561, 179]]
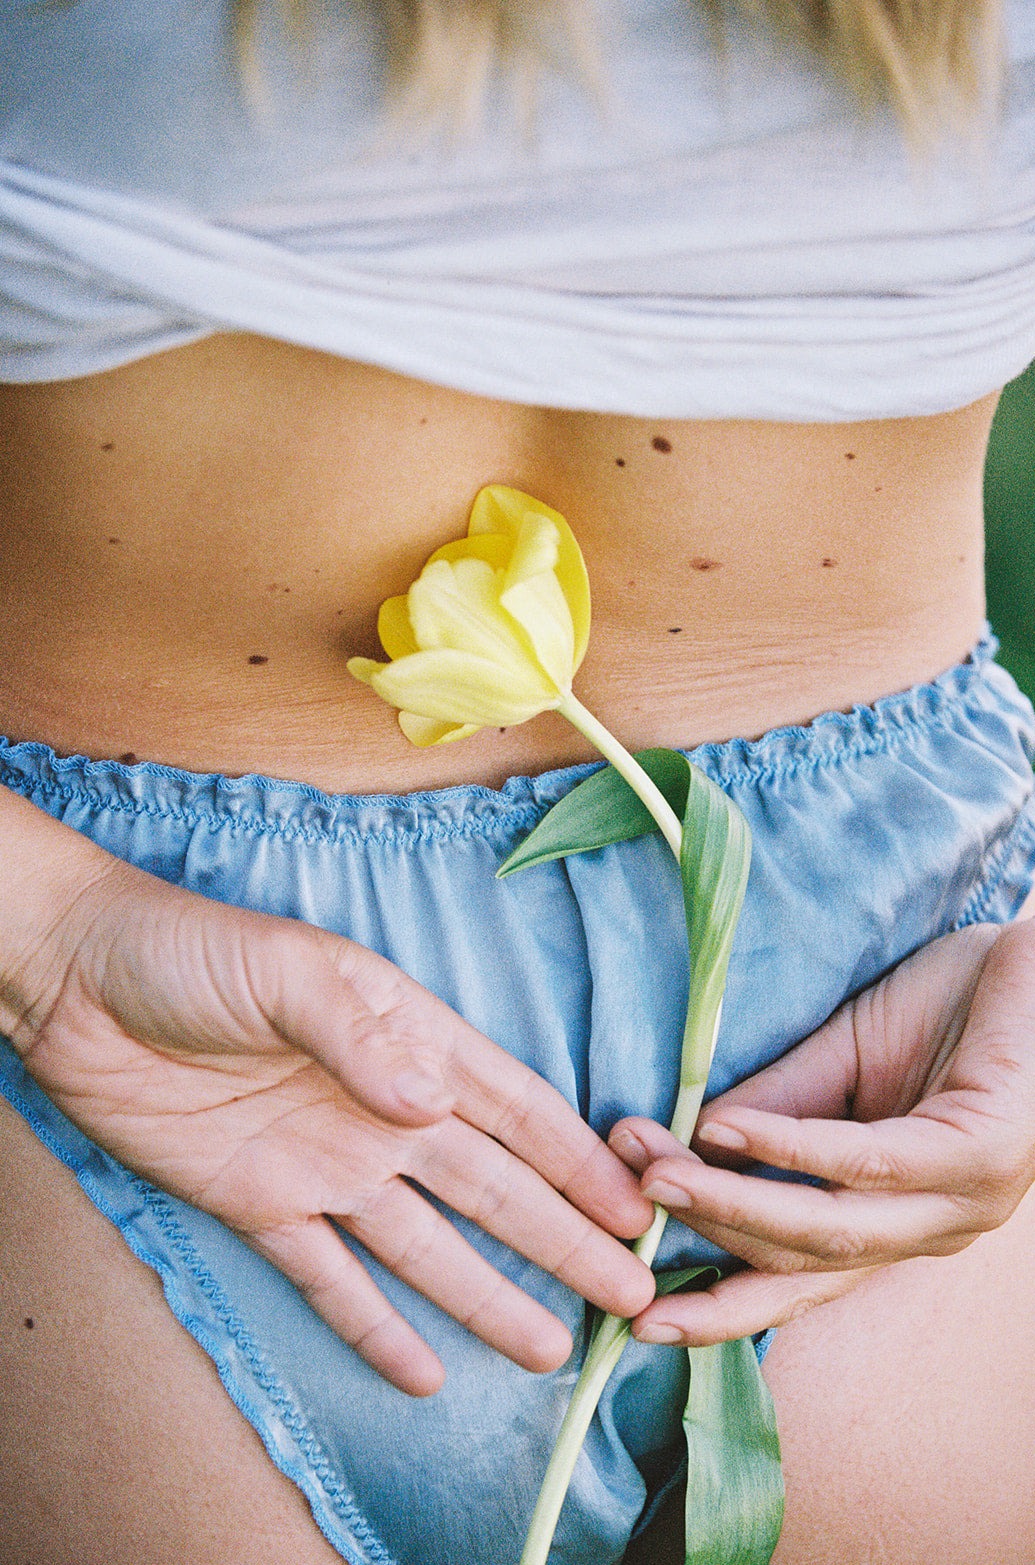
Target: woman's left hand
[[914, 1105]]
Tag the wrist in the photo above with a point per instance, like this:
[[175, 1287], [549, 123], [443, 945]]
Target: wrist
[[48, 869]]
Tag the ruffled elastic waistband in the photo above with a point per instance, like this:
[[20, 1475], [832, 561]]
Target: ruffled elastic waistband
[[974, 691]]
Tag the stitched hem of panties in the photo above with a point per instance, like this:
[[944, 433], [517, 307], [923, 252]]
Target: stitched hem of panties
[[264, 806], [1016, 852]]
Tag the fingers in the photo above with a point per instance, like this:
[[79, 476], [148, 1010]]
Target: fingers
[[420, 1246], [425, 1096], [501, 1097], [957, 1145], [417, 1244], [944, 1144], [881, 1212], [510, 1200], [640, 1142], [740, 1306], [336, 1285], [879, 1053], [936, 1063], [365, 1033], [815, 1079], [789, 1227], [410, 1059]]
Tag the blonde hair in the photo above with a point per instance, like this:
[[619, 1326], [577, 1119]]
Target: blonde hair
[[938, 63]]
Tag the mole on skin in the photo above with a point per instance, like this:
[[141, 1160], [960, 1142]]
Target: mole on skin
[[257, 657], [661, 444]]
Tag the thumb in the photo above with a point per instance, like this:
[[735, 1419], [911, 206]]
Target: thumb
[[814, 1080], [376, 1031]]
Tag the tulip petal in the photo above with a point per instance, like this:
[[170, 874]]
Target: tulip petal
[[490, 547], [457, 606], [425, 731], [395, 629], [364, 669], [574, 581], [534, 550], [541, 609], [492, 630], [500, 509], [459, 687]]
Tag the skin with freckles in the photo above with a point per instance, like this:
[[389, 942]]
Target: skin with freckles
[[237, 468]]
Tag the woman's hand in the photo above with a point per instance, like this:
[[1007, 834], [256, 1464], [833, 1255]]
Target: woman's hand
[[914, 1104], [278, 1076]]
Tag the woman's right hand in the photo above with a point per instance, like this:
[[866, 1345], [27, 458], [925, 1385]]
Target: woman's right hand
[[278, 1076]]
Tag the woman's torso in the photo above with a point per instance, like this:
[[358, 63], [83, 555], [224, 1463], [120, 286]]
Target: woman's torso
[[194, 544]]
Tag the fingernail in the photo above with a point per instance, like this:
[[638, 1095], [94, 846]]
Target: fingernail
[[664, 1194], [723, 1136], [658, 1331], [626, 1144], [420, 1091]]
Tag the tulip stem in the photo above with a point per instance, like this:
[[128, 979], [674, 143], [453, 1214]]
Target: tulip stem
[[605, 1349], [626, 766], [612, 1333]]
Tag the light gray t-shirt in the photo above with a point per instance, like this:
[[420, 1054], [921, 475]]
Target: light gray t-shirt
[[721, 236]]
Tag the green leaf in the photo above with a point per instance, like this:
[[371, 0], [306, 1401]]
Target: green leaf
[[734, 1504], [601, 810], [715, 861], [734, 1501], [676, 1282]]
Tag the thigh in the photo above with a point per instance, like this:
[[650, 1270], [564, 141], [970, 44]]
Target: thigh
[[907, 1413], [118, 1443], [907, 1416]]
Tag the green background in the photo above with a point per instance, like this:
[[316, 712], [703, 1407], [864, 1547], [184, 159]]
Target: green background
[[1010, 517]]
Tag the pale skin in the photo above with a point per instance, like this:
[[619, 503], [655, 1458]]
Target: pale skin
[[167, 524]]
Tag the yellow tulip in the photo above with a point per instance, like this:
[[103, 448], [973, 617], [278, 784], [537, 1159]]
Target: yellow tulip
[[492, 632], [494, 628]]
